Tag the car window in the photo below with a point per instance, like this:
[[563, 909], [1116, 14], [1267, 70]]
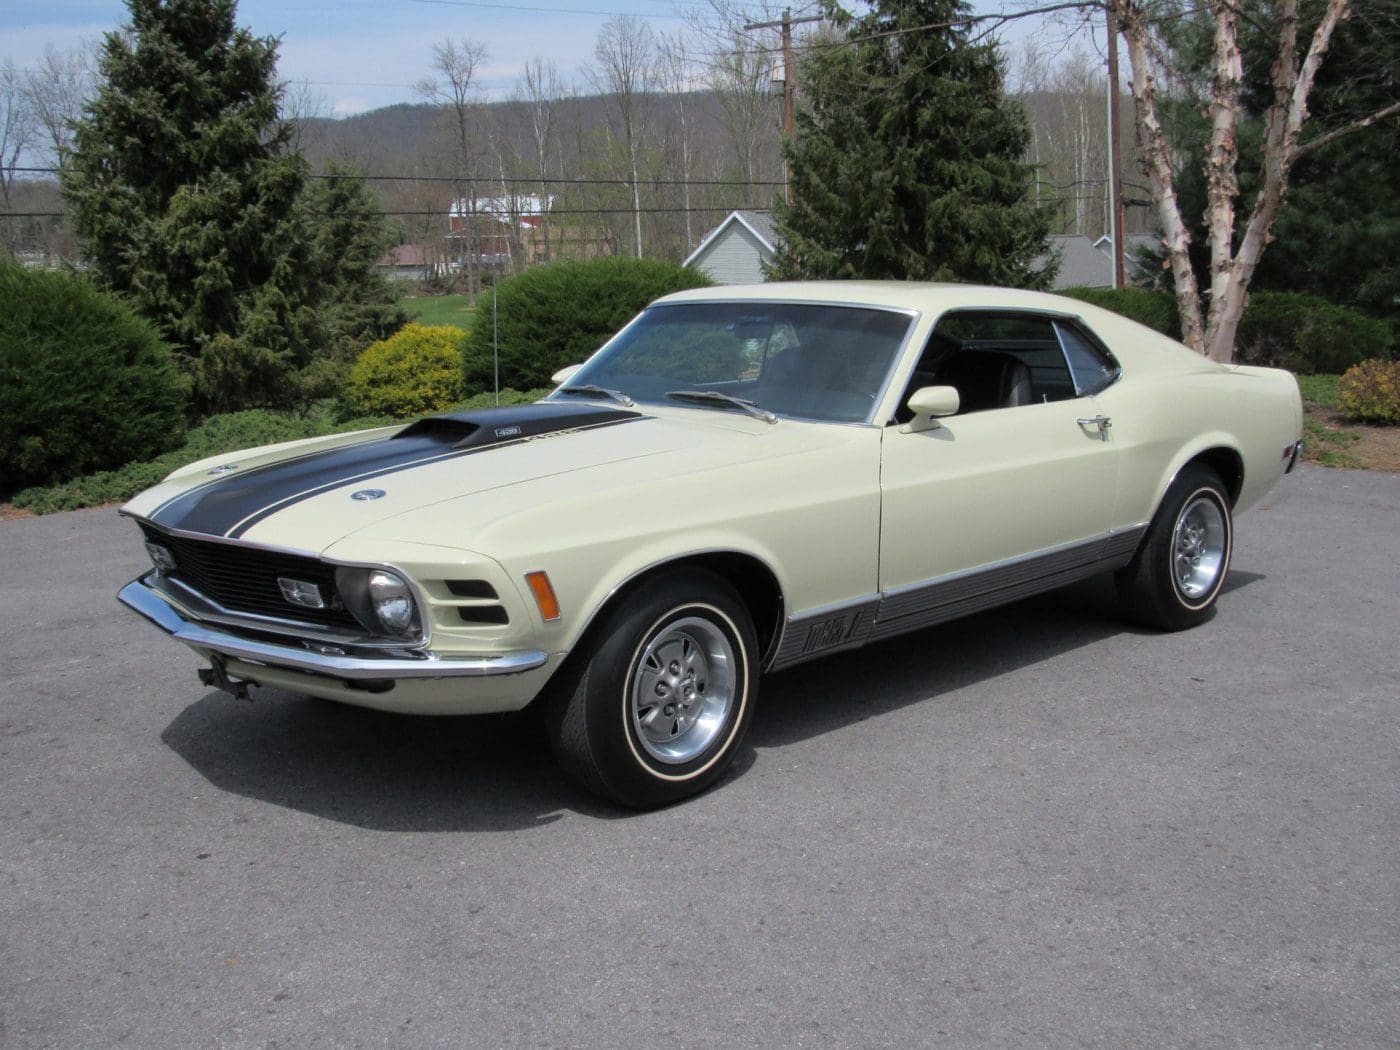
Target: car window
[[1093, 368], [994, 360], [811, 361]]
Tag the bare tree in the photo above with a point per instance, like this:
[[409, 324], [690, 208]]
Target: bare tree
[[56, 92], [301, 105], [541, 92], [455, 89], [16, 125], [676, 71], [1292, 74], [741, 75], [626, 73]]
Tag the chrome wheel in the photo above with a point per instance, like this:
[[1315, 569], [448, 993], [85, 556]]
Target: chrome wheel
[[682, 689], [1199, 545]]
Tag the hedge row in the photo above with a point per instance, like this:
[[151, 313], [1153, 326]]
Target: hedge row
[[1302, 333]]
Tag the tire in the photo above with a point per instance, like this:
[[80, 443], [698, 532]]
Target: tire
[[1175, 577], [658, 702]]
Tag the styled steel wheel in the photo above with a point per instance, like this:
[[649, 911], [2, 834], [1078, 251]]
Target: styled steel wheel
[[682, 689], [1175, 577], [1200, 544], [656, 703]]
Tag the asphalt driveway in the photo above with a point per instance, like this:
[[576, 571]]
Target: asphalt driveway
[[1036, 827]]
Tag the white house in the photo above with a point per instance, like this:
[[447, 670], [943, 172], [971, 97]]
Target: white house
[[1086, 263], [736, 250]]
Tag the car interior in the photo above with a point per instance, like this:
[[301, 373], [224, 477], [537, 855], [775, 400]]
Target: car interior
[[997, 361]]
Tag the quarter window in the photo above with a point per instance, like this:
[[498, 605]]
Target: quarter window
[[1092, 368]]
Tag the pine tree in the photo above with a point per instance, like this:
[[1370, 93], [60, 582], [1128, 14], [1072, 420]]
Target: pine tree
[[908, 161], [192, 203]]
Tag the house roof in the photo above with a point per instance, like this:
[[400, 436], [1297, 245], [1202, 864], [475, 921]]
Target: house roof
[[759, 223], [1089, 263], [409, 255], [503, 208]]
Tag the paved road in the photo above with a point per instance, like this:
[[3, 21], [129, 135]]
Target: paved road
[[1033, 828]]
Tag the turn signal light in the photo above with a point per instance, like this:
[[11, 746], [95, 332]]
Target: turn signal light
[[543, 591]]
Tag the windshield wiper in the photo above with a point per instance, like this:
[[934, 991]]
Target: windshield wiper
[[594, 391], [714, 397]]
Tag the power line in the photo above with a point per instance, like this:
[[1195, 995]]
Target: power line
[[492, 180]]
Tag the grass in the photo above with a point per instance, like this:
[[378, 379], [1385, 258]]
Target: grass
[[439, 309], [1329, 447], [1320, 390]]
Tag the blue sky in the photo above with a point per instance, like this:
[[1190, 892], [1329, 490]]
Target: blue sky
[[363, 54]]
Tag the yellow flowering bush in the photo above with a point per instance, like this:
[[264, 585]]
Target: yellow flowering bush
[[416, 370], [1370, 392]]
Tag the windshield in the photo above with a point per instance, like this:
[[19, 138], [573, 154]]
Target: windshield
[[809, 361]]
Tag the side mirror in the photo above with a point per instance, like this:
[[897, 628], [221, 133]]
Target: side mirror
[[929, 402], [564, 374]]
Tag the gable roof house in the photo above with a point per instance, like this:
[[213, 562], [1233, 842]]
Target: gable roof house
[[1086, 263], [735, 251]]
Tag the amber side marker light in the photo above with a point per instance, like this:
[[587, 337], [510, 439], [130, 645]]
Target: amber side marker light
[[543, 591]]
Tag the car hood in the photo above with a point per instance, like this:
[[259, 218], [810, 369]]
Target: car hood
[[311, 496]]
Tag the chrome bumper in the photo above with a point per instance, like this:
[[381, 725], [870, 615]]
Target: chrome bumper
[[142, 599]]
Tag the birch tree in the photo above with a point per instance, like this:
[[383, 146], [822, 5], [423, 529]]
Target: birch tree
[[1210, 317]]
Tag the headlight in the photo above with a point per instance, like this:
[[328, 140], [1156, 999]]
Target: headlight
[[381, 600], [392, 602]]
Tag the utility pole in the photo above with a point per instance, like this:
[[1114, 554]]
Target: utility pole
[[789, 77], [1116, 215]]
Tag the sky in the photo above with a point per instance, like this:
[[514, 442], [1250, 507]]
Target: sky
[[357, 55]]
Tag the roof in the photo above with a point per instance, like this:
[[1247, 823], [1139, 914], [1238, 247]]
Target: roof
[[1089, 263], [759, 223], [501, 207], [410, 255]]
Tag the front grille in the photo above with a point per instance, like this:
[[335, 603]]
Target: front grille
[[244, 579]]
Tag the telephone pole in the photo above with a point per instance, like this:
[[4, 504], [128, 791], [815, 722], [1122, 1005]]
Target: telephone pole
[[789, 75], [1116, 216]]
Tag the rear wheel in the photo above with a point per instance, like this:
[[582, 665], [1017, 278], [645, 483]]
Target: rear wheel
[[1173, 581], [656, 709]]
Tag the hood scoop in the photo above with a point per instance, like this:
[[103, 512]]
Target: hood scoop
[[493, 426], [234, 503]]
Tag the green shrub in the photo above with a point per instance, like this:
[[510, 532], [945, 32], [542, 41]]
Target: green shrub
[[85, 384], [218, 435], [1307, 334], [1156, 310], [1370, 392], [414, 371], [559, 314]]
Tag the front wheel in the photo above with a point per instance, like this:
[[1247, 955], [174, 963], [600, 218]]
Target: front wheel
[[656, 708], [1177, 573]]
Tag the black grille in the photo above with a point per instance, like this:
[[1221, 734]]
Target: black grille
[[244, 579]]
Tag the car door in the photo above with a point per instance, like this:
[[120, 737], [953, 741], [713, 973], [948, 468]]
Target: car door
[[996, 502]]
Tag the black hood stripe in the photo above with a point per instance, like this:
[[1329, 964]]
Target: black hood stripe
[[230, 505]]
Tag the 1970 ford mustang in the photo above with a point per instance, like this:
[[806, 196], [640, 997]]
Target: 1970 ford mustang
[[740, 480]]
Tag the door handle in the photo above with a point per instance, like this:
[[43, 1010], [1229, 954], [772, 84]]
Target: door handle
[[1102, 422]]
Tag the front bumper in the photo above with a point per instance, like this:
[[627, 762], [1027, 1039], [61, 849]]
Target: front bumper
[[413, 681]]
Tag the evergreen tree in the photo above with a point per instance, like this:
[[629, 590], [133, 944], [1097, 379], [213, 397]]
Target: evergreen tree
[[347, 236], [192, 203], [909, 159]]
